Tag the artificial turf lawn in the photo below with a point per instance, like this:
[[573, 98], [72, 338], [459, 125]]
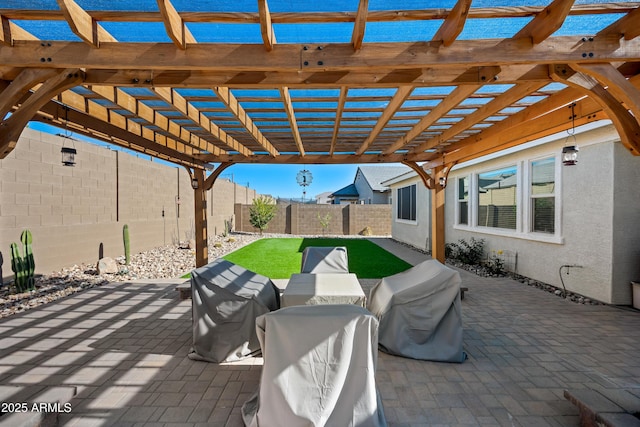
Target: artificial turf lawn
[[279, 258]]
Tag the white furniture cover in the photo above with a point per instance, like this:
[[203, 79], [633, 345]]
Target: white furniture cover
[[321, 259], [226, 299], [323, 288], [420, 313], [319, 368]]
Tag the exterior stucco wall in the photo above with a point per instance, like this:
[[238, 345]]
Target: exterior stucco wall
[[586, 203], [77, 213], [626, 217], [418, 233]]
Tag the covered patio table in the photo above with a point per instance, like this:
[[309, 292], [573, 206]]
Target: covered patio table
[[323, 288]]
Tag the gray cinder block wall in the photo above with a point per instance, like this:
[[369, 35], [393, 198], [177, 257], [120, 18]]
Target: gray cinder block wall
[[77, 213]]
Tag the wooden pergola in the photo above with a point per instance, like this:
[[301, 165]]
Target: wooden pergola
[[429, 88]]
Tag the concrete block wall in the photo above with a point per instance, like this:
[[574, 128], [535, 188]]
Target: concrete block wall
[[77, 213], [302, 219]]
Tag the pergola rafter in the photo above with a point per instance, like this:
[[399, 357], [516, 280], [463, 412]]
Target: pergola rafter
[[440, 99]]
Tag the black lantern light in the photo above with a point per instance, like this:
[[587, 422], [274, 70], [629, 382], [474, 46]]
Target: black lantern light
[[570, 149], [570, 155], [68, 156], [68, 153], [194, 183]]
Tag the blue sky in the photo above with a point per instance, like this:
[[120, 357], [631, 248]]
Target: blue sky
[[275, 180]]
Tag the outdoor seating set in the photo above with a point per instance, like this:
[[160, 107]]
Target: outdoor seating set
[[318, 341]]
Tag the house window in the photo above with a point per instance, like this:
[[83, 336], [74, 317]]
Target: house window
[[543, 200], [497, 198], [407, 203], [463, 200]]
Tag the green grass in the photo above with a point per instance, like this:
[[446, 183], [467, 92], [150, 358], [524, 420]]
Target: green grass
[[279, 258]]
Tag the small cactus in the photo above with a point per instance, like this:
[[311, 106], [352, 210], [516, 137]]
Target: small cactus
[[23, 267], [125, 238]]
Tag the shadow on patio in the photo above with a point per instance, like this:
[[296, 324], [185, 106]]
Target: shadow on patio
[[125, 349]]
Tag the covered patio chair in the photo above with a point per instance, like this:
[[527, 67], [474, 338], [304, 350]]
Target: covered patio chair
[[420, 313], [226, 300], [319, 368], [324, 259]]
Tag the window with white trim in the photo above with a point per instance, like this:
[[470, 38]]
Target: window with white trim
[[518, 200], [463, 200], [406, 199], [542, 194], [498, 198]]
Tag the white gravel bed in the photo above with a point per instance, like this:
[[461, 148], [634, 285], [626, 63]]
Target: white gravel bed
[[165, 262]]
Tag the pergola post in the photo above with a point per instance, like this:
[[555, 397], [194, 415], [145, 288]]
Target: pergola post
[[437, 214], [200, 211]]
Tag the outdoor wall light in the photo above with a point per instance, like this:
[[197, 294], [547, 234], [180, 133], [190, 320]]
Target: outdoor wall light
[[68, 156], [443, 181], [570, 155], [194, 183]]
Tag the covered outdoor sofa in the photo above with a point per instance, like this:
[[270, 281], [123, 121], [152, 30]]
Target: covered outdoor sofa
[[324, 259], [319, 369], [420, 313], [226, 300]]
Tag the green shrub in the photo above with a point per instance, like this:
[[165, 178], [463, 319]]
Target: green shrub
[[466, 252]]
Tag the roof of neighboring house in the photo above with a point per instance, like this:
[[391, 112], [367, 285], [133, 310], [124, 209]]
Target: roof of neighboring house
[[348, 191], [376, 175]]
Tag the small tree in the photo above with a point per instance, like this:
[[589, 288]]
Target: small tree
[[262, 210], [324, 222]]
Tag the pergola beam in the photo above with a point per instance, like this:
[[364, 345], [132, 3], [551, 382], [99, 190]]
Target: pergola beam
[[394, 105], [228, 99], [342, 99], [173, 98], [99, 112], [360, 24], [83, 25], [453, 23], [130, 103], [266, 27], [293, 123], [458, 95], [500, 102], [546, 22], [13, 126], [628, 26], [10, 31], [94, 127], [610, 100], [247, 58], [174, 24]]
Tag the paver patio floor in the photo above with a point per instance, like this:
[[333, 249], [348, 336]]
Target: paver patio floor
[[124, 347]]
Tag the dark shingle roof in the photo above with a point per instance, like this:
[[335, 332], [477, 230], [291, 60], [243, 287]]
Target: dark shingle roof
[[348, 191]]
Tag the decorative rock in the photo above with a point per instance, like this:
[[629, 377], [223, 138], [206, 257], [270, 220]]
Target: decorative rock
[[107, 265], [366, 231]]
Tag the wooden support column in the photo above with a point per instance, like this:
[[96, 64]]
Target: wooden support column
[[200, 210], [437, 215]]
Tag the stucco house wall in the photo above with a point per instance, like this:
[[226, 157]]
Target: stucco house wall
[[415, 233], [596, 215]]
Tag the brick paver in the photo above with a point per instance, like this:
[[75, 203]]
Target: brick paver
[[124, 346]]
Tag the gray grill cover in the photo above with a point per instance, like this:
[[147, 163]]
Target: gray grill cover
[[319, 368], [226, 301], [321, 259], [420, 313]]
